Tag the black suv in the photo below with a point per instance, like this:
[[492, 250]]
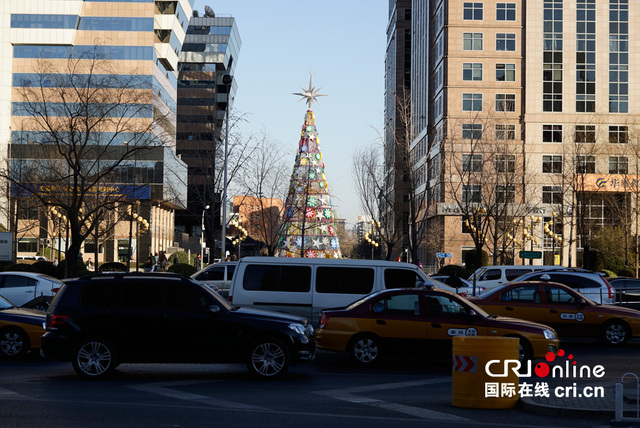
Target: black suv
[[102, 320]]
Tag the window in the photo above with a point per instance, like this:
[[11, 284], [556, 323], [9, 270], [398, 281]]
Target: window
[[277, 278], [471, 193], [552, 164], [505, 42], [558, 295], [472, 41], [527, 293], [505, 132], [551, 194], [471, 102], [552, 133], [586, 164], [505, 72], [399, 278], [407, 305], [442, 306], [472, 11], [618, 134], [471, 131], [585, 133], [618, 165], [471, 163], [505, 194], [505, 11], [472, 71], [344, 280], [505, 163], [506, 102]]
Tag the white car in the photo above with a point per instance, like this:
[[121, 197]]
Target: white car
[[217, 277], [467, 290], [28, 289]]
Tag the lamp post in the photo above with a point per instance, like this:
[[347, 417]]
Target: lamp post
[[226, 80], [202, 235]]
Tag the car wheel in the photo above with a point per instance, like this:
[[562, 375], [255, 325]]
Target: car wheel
[[41, 307], [525, 353], [14, 342], [94, 358], [365, 349], [268, 358], [615, 333]]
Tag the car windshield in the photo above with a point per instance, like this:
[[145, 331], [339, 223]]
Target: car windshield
[[472, 306], [5, 304]]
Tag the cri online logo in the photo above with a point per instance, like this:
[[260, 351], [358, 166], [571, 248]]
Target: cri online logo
[[601, 182], [569, 369]]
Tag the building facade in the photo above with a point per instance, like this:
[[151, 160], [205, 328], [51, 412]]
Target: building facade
[[531, 137], [210, 52], [125, 54]]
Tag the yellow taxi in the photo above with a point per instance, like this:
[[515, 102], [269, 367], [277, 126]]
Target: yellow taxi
[[20, 329], [420, 321], [570, 313]]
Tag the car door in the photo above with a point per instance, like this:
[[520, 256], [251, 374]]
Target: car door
[[17, 289], [520, 302], [399, 321], [568, 313], [189, 323], [448, 317]]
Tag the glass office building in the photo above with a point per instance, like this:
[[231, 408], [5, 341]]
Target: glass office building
[[127, 46]]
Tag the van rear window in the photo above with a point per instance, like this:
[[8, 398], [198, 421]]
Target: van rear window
[[401, 278], [344, 280], [277, 278]]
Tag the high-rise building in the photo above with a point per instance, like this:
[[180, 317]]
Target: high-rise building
[[210, 52], [396, 108], [118, 48], [522, 125]]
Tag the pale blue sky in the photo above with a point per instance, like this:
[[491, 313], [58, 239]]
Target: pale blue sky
[[343, 43]]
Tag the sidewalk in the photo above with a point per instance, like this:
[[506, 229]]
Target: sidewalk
[[578, 406]]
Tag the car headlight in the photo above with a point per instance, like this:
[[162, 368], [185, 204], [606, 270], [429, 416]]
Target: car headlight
[[298, 328], [549, 334]]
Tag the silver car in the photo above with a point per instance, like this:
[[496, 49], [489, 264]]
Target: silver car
[[590, 284]]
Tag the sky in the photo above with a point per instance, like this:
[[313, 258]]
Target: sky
[[343, 43]]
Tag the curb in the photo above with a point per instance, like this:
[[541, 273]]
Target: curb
[[531, 406]]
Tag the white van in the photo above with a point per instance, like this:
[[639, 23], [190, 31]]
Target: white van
[[490, 277], [304, 286]]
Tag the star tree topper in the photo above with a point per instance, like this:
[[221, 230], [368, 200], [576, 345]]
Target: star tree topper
[[310, 92]]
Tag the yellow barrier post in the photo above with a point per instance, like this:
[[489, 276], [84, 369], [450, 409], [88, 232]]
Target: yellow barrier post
[[473, 387]]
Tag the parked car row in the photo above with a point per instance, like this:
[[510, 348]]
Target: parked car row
[[99, 321]]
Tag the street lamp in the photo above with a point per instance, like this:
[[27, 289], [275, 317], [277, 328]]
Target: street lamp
[[226, 80], [202, 235]]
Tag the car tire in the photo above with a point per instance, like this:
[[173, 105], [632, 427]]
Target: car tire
[[94, 358], [268, 358], [525, 352], [14, 342], [615, 333], [365, 349]]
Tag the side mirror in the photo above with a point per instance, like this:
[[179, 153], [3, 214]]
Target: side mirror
[[427, 285], [214, 309], [472, 314], [582, 302], [545, 277]]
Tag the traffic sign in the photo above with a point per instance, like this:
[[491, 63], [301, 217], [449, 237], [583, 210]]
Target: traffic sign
[[444, 255], [530, 254]]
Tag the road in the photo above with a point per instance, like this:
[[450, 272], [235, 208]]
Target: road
[[330, 391]]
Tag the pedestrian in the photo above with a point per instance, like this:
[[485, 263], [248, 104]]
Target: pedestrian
[[454, 280], [152, 262], [419, 264], [175, 259], [163, 263], [197, 262], [89, 264]]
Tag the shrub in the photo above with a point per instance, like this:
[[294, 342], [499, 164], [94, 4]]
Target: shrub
[[46, 268], [626, 272], [183, 268], [113, 267], [470, 259], [449, 269], [19, 267]]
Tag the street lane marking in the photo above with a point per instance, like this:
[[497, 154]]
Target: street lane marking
[[349, 395], [164, 389]]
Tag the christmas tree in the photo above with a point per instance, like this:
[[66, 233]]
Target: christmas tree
[[308, 228]]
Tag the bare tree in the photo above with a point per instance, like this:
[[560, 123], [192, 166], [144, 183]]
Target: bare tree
[[80, 129], [263, 182], [486, 177]]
